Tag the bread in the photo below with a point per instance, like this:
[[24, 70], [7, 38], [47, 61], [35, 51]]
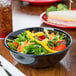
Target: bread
[[62, 17]]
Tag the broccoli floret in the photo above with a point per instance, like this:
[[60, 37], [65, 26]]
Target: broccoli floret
[[61, 7], [52, 8]]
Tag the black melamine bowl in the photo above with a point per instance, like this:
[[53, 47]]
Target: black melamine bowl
[[38, 61]]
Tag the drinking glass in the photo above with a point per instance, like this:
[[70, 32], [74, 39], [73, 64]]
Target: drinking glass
[[5, 18]]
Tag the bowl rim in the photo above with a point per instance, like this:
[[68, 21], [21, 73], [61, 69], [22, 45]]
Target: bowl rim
[[50, 28]]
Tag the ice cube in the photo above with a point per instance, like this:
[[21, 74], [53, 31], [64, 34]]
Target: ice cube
[[4, 3]]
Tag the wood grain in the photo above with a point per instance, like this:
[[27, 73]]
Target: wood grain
[[66, 67]]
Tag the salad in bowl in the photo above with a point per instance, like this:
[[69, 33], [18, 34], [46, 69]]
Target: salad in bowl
[[38, 43], [37, 46]]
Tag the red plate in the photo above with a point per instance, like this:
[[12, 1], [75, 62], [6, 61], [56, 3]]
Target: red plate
[[44, 19], [41, 2]]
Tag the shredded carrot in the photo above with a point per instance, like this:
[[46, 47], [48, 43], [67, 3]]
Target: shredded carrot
[[19, 49], [31, 43], [33, 31], [52, 47], [51, 36]]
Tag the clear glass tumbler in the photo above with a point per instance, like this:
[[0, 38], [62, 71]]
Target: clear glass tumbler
[[5, 18]]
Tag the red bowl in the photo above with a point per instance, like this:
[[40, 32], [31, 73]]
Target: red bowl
[[41, 2], [43, 18]]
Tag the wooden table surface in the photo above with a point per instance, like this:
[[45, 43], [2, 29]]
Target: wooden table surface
[[28, 14]]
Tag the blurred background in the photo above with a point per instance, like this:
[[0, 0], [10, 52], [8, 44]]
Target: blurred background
[[26, 14]]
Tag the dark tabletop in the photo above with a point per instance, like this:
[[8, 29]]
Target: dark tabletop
[[66, 67]]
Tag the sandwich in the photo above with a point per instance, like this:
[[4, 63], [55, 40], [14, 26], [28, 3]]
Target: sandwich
[[67, 18]]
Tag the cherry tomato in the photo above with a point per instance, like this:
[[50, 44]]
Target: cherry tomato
[[41, 37], [16, 44], [60, 47]]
